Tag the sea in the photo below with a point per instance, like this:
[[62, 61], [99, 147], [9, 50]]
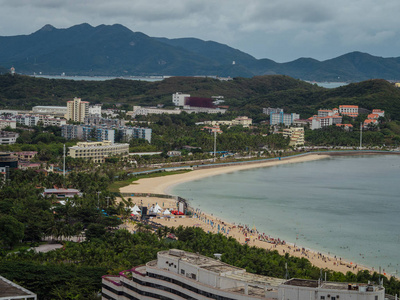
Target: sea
[[328, 85], [344, 206]]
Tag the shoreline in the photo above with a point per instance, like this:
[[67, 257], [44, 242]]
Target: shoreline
[[213, 223]]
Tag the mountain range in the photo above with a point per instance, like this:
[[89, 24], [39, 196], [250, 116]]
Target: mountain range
[[115, 50]]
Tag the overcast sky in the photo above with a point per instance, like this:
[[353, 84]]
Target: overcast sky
[[281, 30]]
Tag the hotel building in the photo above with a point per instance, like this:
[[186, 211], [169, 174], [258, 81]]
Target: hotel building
[[98, 151], [177, 274], [77, 110], [281, 118], [296, 135], [349, 110]]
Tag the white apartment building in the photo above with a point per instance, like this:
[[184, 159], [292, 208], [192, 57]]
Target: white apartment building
[[177, 274], [8, 123], [244, 121], [8, 138], [98, 151], [179, 99], [95, 109], [296, 135], [50, 110], [27, 120], [49, 121], [379, 112], [77, 110], [349, 110], [144, 111], [281, 118]]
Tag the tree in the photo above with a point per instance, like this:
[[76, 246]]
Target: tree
[[11, 231]]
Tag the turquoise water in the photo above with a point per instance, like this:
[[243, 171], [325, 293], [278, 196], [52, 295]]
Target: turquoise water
[[344, 206]]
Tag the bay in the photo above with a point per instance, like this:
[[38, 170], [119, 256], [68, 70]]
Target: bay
[[347, 206]]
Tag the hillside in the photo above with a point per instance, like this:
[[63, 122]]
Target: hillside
[[245, 95], [117, 51]]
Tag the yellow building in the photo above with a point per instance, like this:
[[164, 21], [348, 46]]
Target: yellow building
[[296, 135], [77, 110], [97, 151], [243, 120]]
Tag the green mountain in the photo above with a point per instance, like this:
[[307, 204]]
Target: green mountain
[[117, 51], [245, 95]]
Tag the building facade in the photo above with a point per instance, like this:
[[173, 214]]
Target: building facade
[[271, 110], [177, 274], [98, 151], [50, 110], [77, 110], [349, 110], [8, 138], [281, 118], [178, 99], [296, 135]]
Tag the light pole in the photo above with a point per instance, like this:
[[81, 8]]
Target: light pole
[[215, 142], [98, 200]]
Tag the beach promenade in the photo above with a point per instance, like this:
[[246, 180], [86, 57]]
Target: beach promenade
[[212, 223]]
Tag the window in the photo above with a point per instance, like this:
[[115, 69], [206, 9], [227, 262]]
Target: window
[[182, 271], [322, 297]]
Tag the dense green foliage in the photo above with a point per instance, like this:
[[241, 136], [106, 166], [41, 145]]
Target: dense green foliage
[[244, 96]]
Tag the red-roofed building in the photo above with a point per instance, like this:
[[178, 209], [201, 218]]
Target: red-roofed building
[[380, 113], [369, 122], [349, 110]]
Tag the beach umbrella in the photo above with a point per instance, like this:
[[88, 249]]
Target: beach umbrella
[[166, 212]]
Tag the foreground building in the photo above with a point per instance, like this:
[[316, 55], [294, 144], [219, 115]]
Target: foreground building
[[10, 291], [177, 274]]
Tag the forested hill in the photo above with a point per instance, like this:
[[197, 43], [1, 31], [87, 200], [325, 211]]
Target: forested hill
[[246, 95], [117, 51]]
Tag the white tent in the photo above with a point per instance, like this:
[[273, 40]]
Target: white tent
[[135, 210], [157, 209], [166, 212]]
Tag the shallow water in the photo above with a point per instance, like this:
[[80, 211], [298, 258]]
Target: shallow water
[[345, 206]]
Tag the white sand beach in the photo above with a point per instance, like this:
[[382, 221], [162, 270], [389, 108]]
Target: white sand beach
[[161, 185]]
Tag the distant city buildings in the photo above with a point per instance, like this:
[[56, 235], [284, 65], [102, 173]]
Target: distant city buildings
[[98, 151], [270, 110], [77, 110], [105, 132]]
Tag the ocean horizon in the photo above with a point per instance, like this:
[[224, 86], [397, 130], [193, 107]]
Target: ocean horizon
[[344, 206]]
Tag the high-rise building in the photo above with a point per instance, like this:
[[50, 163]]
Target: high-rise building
[[77, 110]]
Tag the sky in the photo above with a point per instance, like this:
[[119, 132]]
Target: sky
[[281, 30]]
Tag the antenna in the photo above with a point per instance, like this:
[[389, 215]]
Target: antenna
[[215, 142]]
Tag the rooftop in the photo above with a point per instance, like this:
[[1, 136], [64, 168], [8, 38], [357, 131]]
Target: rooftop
[[10, 289]]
